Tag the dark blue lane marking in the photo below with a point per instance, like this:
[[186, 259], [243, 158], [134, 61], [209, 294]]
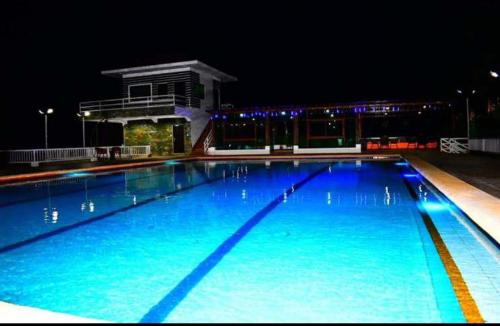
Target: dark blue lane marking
[[162, 309], [103, 216]]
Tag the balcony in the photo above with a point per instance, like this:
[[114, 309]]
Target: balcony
[[130, 107]]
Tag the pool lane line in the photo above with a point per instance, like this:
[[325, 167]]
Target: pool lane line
[[168, 303], [103, 216], [106, 215], [467, 303]]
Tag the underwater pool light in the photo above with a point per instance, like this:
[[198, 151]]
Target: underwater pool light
[[435, 206], [172, 163], [410, 175], [77, 174], [402, 163]]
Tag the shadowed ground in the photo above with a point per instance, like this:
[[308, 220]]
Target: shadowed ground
[[478, 169]]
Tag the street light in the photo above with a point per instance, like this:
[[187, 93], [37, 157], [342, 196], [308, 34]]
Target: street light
[[467, 106], [46, 113], [82, 116], [493, 74]]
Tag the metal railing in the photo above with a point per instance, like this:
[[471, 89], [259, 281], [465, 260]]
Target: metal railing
[[454, 145], [131, 103], [490, 145], [208, 140], [36, 156]]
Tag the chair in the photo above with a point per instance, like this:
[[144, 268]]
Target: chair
[[384, 143], [101, 152], [115, 151], [372, 145], [412, 143], [403, 145], [432, 145]]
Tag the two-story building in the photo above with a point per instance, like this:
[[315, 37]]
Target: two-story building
[[162, 105]]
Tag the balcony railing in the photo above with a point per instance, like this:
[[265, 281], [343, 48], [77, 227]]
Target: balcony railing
[[147, 105]]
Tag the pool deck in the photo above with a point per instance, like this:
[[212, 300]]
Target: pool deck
[[481, 207], [11, 313]]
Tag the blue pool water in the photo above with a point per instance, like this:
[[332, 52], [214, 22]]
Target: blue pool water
[[290, 241]]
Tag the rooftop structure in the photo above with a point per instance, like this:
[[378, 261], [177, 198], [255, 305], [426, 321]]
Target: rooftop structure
[[168, 102]]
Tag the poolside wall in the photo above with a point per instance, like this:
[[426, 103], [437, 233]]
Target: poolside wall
[[159, 135]]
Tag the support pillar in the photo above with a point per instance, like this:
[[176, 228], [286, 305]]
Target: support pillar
[[359, 128], [296, 131], [268, 133]]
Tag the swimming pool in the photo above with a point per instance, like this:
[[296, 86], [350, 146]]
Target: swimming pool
[[245, 241]]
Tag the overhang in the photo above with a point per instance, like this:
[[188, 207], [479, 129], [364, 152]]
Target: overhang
[[166, 68]]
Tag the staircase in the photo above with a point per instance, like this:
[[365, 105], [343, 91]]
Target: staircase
[[204, 141]]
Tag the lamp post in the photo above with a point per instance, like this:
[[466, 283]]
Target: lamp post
[[467, 107], [82, 116], [46, 113]]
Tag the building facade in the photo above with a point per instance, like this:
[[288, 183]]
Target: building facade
[[162, 105], [333, 128]]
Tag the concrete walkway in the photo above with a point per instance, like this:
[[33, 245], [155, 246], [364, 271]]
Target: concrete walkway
[[480, 170], [481, 207], [10, 313]]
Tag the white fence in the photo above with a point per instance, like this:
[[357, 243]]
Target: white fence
[[491, 145], [36, 156], [454, 145]]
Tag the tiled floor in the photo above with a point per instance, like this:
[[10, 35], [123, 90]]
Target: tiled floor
[[481, 207]]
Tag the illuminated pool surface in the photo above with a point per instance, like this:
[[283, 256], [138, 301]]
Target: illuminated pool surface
[[290, 241]]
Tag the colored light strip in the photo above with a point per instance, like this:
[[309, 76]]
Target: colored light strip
[[162, 309]]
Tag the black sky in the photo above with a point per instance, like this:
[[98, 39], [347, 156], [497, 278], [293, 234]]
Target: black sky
[[282, 52]]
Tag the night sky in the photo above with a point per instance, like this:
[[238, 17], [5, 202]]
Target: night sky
[[307, 53]]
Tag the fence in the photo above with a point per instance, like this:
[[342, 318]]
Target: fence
[[491, 145], [36, 156], [454, 145], [131, 103]]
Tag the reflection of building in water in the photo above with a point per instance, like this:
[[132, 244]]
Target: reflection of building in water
[[87, 204], [50, 214], [421, 193]]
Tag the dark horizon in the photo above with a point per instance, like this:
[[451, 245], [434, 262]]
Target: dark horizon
[[282, 54]]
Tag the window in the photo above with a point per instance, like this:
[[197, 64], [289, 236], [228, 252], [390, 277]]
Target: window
[[140, 90], [199, 91], [163, 89], [180, 88]]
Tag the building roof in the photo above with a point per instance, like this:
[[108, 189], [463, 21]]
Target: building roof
[[358, 107], [163, 68]]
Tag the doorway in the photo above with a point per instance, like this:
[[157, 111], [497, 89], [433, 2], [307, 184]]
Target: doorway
[[178, 135]]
